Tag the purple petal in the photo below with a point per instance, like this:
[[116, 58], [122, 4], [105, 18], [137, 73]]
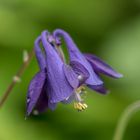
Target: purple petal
[[100, 88], [101, 67], [76, 55], [42, 103], [34, 90], [39, 54], [58, 86], [52, 106], [80, 70], [71, 77]]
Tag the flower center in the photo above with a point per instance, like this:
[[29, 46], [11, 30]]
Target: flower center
[[79, 103]]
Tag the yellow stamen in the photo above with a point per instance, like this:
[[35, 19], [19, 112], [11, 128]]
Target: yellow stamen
[[80, 106]]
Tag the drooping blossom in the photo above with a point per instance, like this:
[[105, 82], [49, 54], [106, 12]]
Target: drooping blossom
[[58, 81]]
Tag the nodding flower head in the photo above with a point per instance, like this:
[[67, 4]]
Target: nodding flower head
[[58, 81]]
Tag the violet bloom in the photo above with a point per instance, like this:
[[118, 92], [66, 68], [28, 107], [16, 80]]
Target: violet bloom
[[60, 82]]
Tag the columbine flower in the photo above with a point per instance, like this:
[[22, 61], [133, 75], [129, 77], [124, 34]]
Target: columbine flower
[[59, 82]]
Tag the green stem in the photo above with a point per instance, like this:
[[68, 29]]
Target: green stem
[[124, 120]]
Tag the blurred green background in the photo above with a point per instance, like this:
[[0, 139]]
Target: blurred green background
[[108, 28]]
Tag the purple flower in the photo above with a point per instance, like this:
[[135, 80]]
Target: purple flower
[[60, 82]]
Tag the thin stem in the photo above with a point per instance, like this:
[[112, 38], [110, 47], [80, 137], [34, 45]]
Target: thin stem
[[26, 60], [124, 120]]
